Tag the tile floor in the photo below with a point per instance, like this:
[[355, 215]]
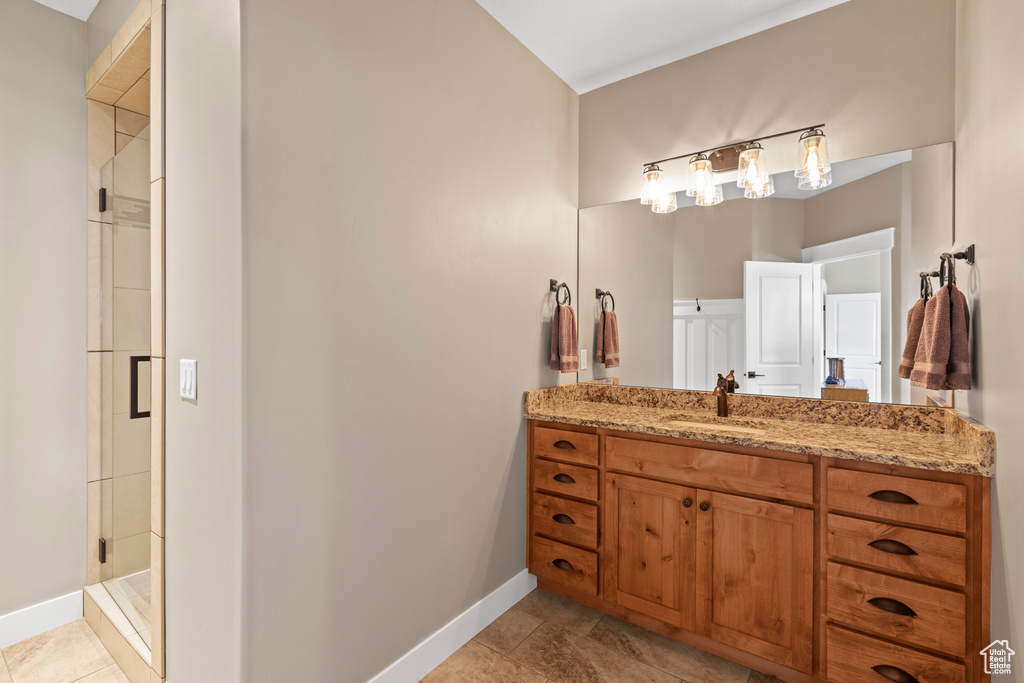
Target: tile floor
[[69, 654], [546, 638]]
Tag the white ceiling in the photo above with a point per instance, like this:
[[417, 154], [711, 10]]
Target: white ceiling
[[591, 43], [79, 9]]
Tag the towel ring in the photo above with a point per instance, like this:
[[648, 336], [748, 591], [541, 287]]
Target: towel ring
[[601, 294], [948, 265], [556, 287]]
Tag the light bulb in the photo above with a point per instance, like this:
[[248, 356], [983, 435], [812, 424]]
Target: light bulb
[[815, 170], [753, 174], [709, 197], [701, 177], [651, 184], [664, 203]]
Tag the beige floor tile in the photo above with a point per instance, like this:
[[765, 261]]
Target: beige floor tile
[[509, 630], [758, 677], [5, 676], [476, 663], [62, 655], [562, 611], [566, 657], [112, 674], [678, 659]]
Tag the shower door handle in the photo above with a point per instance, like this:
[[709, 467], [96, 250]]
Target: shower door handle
[[135, 414]]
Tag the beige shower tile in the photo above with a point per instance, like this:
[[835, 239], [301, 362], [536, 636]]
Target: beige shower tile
[[103, 94], [156, 94], [99, 254], [127, 67], [100, 123], [99, 414], [140, 647], [131, 445], [121, 381], [127, 659], [64, 654], [137, 98], [131, 508], [131, 554], [131, 319], [98, 68], [131, 257], [91, 611], [109, 608], [120, 140], [136, 21], [156, 267], [156, 450], [129, 122], [156, 603], [94, 522]]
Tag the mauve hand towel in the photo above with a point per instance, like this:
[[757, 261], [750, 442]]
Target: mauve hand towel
[[958, 369], [915, 319], [933, 348], [608, 340], [564, 340]]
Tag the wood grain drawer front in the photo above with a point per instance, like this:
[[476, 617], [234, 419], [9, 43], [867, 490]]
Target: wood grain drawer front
[[926, 554], [562, 564], [700, 467], [854, 658], [560, 444], [566, 520], [931, 617], [569, 480], [900, 499]]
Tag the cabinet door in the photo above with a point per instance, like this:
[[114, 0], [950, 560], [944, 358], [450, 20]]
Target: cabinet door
[[755, 563], [649, 548]]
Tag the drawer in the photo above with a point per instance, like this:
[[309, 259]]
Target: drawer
[[853, 658], [899, 499], [922, 615], [564, 565], [560, 444], [922, 553], [566, 520], [705, 468], [569, 480]]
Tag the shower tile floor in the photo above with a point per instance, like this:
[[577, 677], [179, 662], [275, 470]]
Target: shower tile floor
[[546, 638], [69, 654]]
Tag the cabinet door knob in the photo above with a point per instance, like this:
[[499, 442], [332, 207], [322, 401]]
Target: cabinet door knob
[[563, 519], [563, 564], [687, 503], [894, 674], [892, 547], [564, 478], [565, 445], [892, 607], [704, 507], [893, 497]]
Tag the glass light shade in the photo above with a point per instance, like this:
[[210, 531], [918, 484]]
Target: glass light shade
[[664, 203], [702, 179], [814, 170], [710, 196], [651, 186], [753, 174]]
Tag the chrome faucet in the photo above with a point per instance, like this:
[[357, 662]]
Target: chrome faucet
[[722, 395]]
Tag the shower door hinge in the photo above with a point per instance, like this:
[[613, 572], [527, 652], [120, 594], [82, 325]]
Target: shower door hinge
[[103, 199], [103, 551]]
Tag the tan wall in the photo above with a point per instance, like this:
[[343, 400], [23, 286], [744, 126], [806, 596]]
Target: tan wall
[[204, 309], [878, 73], [989, 206], [42, 304], [866, 205], [627, 249], [410, 187], [711, 244]]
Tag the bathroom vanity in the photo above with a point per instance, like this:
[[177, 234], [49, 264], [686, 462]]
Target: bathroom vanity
[[812, 540]]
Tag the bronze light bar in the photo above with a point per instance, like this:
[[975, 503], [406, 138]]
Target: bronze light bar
[[735, 144]]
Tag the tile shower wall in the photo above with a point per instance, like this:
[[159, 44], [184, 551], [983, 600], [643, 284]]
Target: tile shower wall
[[119, 328]]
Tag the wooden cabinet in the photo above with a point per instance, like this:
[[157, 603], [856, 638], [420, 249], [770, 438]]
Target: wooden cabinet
[[810, 569]]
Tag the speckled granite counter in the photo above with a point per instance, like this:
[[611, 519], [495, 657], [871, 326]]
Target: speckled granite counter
[[911, 436]]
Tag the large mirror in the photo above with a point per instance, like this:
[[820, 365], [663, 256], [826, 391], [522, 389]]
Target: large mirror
[[772, 287]]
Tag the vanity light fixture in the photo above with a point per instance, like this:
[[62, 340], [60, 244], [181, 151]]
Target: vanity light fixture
[[749, 159], [651, 187], [753, 176], [815, 170]]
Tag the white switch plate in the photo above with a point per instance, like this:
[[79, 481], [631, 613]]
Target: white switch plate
[[189, 378], [583, 359]]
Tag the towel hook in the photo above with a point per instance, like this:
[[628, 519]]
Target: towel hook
[[601, 294], [698, 305], [556, 287], [949, 265]]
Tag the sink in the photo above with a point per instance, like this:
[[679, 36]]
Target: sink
[[731, 424]]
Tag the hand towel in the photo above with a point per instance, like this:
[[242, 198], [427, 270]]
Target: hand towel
[[958, 369], [932, 353], [915, 319], [608, 340], [564, 340]]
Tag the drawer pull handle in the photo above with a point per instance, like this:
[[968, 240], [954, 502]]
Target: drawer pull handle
[[893, 497], [564, 565], [892, 607], [894, 674], [564, 478], [892, 547], [565, 445], [563, 519]]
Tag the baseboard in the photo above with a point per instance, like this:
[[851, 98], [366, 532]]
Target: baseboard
[[440, 645], [31, 621]]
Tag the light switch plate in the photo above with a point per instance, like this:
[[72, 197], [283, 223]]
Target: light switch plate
[[583, 359], [189, 379]]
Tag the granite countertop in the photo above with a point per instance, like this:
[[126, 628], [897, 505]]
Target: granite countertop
[[909, 436]]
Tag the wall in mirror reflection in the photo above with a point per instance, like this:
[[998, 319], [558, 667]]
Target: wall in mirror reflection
[[782, 282]]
